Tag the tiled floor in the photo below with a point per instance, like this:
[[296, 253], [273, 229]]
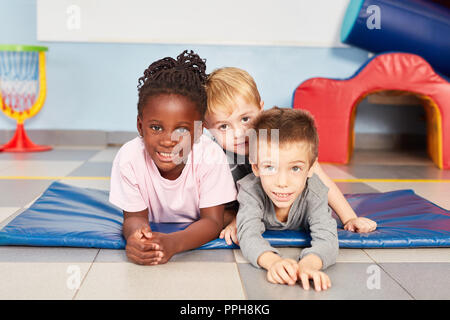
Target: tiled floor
[[79, 273]]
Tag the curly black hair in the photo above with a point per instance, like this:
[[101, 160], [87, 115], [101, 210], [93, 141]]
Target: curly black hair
[[185, 76]]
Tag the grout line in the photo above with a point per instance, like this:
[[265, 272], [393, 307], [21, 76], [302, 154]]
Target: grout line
[[396, 281], [367, 254], [242, 282], [389, 275], [87, 272], [76, 168], [240, 277]]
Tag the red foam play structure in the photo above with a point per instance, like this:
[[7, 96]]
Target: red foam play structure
[[333, 103]]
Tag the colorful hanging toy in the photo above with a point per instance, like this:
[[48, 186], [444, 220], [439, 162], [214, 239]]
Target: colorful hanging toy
[[22, 91]]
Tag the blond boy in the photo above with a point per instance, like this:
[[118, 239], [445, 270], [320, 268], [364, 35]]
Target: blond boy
[[233, 102]]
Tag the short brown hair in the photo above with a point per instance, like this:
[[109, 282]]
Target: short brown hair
[[224, 84], [294, 126]]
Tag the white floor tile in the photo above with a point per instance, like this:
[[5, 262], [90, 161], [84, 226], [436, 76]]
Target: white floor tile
[[36, 168], [6, 212], [106, 155], [173, 280], [334, 172], [410, 255], [40, 280]]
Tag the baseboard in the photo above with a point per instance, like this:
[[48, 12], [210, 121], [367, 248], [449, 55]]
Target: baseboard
[[363, 141], [73, 137]]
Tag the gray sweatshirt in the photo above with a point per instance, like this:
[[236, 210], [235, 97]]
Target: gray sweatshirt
[[309, 212]]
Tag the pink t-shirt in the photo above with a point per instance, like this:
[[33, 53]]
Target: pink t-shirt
[[136, 183]]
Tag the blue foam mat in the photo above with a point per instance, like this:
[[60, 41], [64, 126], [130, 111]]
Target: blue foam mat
[[79, 217]]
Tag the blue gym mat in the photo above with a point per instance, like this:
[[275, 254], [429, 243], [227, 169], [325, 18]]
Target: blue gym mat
[[80, 217]]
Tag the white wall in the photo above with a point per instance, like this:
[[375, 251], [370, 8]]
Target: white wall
[[233, 22], [92, 86]]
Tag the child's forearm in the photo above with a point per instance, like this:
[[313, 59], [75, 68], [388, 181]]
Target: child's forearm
[[228, 216], [267, 259], [134, 221], [339, 204], [196, 234], [336, 199]]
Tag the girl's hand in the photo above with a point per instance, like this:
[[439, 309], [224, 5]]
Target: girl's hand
[[230, 233], [140, 249], [283, 271], [164, 246], [360, 225], [320, 279]]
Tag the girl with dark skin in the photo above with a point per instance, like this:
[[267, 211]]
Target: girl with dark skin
[[171, 98]]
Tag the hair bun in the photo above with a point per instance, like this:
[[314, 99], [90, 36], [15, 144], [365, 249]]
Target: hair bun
[[187, 66], [191, 61], [185, 75]]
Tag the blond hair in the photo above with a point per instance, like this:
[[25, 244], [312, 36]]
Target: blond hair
[[225, 84]]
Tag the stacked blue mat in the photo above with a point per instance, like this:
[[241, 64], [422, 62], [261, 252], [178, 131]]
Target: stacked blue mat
[[80, 217]]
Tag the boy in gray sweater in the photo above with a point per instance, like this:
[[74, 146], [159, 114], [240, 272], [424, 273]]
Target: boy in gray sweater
[[280, 194]]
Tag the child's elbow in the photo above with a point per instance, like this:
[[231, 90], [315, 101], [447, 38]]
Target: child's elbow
[[216, 225], [329, 252], [332, 255]]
